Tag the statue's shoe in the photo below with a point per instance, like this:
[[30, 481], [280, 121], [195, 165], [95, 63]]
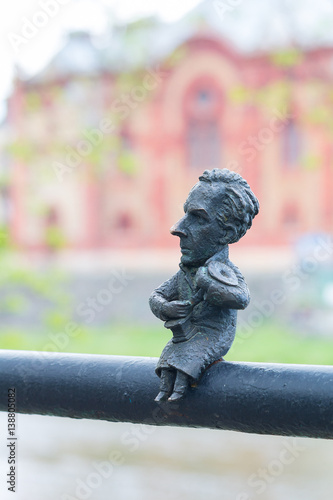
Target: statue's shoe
[[161, 396], [176, 396]]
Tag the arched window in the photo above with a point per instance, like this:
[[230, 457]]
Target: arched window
[[290, 217], [127, 160], [291, 144], [124, 222], [203, 138]]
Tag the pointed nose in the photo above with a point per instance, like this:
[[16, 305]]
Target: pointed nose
[[178, 229]]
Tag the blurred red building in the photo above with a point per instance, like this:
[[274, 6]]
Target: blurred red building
[[105, 143]]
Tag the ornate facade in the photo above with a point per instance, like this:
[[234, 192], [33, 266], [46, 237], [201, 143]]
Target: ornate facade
[[102, 156]]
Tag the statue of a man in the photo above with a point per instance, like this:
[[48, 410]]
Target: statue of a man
[[199, 303]]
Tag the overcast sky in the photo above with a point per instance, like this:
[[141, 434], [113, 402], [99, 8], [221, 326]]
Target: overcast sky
[[57, 17]]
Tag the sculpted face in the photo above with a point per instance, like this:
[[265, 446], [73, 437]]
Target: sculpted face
[[199, 231]]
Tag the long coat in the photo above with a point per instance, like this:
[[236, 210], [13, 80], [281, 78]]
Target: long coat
[[211, 326]]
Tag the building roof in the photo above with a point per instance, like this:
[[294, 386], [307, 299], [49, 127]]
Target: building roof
[[148, 40]]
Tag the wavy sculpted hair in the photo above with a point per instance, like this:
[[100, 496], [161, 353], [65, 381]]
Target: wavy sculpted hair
[[239, 205]]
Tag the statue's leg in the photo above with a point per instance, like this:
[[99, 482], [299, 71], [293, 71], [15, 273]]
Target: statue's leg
[[166, 385], [180, 386]]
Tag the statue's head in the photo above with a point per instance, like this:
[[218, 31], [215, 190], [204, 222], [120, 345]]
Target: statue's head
[[218, 211]]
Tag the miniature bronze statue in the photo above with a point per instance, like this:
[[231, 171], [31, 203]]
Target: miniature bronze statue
[[199, 303]]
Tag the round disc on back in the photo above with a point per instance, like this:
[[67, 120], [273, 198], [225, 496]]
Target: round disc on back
[[221, 272]]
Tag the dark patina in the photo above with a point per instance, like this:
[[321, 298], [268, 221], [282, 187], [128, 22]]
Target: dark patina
[[199, 303]]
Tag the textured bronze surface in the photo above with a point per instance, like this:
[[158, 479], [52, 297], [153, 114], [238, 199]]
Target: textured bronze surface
[[199, 303]]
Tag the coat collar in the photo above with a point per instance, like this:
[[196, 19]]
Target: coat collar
[[221, 256]]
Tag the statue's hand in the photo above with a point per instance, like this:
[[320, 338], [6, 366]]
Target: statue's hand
[[177, 308]]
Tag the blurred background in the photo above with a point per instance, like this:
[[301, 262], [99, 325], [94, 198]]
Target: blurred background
[[109, 113]]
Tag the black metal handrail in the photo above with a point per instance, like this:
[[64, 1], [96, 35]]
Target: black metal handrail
[[290, 400]]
